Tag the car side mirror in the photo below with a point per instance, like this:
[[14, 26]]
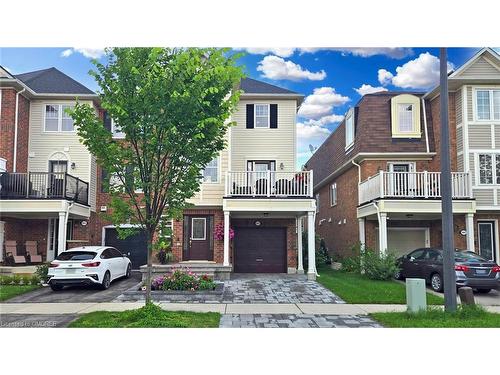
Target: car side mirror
[[411, 259]]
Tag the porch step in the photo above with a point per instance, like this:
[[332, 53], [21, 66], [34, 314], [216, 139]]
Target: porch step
[[212, 269]]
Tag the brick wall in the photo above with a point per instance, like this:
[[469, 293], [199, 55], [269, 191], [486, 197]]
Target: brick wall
[[21, 230], [339, 238]]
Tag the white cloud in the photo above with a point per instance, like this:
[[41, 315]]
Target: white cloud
[[369, 89], [328, 119], [278, 51], [310, 134], [321, 103], [92, 53], [395, 53], [384, 77], [274, 67], [420, 73]]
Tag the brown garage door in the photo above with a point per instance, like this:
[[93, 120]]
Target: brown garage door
[[260, 250]]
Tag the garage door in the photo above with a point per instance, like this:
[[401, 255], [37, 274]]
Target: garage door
[[401, 241], [260, 250], [134, 246]]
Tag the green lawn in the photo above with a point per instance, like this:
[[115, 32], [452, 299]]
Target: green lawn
[[355, 288], [436, 318], [151, 316], [9, 291]]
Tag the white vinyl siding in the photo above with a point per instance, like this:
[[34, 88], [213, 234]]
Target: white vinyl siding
[[480, 136]]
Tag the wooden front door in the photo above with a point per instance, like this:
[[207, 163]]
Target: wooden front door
[[486, 235], [198, 237]]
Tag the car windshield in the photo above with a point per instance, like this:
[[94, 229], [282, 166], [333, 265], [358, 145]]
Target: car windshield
[[76, 255], [467, 256]]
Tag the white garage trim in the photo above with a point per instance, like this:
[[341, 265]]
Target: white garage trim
[[103, 235]]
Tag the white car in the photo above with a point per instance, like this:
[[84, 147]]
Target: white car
[[88, 265]]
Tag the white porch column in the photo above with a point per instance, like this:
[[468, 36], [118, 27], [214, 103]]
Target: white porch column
[[382, 232], [311, 250], [362, 236], [226, 238], [469, 228], [61, 233], [300, 265]]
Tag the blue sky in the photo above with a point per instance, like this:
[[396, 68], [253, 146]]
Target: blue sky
[[331, 79]]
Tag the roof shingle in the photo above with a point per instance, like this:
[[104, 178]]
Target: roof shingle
[[52, 81], [252, 86]]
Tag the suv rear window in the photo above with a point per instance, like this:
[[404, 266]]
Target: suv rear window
[[76, 255]]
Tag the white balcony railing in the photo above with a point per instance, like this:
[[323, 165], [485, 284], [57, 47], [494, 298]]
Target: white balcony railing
[[269, 184], [413, 185]]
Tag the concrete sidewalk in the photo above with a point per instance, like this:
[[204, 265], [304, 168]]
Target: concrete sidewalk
[[230, 308]]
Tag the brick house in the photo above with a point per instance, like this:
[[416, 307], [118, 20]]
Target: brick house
[[377, 176], [52, 190]]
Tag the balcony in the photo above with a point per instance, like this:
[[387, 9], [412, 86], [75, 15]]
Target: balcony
[[413, 185], [269, 184], [43, 185]]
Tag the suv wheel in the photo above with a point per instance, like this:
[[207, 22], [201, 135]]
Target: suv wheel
[[437, 282]]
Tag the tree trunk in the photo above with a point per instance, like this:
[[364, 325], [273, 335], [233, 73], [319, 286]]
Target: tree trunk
[[149, 267]]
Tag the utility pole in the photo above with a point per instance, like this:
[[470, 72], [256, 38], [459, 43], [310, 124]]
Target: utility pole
[[450, 291]]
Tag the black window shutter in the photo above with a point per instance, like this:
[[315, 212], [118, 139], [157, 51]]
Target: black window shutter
[[104, 181], [107, 120], [250, 116], [273, 119]]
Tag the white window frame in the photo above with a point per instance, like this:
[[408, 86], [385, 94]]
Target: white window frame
[[169, 223], [204, 228], [494, 174], [333, 194], [116, 134], [349, 130], [412, 130], [268, 116], [59, 118], [492, 104], [3, 165], [218, 172]]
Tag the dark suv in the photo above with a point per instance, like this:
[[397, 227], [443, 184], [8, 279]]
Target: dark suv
[[470, 269]]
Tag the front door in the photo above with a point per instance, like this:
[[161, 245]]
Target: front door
[[198, 238], [260, 175], [57, 169], [402, 183], [486, 235]]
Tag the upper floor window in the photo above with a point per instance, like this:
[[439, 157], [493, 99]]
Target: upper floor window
[[489, 169], [349, 129], [116, 131], [488, 105], [333, 194], [3, 165], [261, 115], [57, 119], [211, 171], [405, 116]]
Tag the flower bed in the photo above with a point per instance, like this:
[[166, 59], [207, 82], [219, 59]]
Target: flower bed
[[183, 280]]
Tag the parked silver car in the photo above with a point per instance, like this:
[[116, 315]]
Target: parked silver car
[[470, 269]]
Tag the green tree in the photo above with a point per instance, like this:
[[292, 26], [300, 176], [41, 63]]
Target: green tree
[[174, 107]]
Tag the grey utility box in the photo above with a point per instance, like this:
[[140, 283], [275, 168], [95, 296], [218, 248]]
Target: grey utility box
[[416, 298]]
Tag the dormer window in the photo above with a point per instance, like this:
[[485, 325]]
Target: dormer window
[[349, 129], [405, 110]]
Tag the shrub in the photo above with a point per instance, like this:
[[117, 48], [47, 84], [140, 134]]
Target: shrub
[[16, 279], [5, 280], [352, 263], [322, 255], [183, 279], [26, 279], [379, 266], [34, 280], [41, 272], [165, 257]]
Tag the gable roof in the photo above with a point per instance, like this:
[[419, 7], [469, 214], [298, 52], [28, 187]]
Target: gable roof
[[486, 54], [52, 81], [4, 73], [252, 86]]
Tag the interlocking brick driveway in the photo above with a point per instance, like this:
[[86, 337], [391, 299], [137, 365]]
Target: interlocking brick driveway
[[296, 321]]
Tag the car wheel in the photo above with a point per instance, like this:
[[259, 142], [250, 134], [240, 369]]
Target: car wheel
[[436, 282], [56, 287], [483, 290], [398, 275], [129, 271], [106, 281]]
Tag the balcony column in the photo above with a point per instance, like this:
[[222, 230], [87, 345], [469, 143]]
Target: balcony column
[[311, 250], [469, 228], [382, 232], [226, 238], [300, 265], [61, 233]]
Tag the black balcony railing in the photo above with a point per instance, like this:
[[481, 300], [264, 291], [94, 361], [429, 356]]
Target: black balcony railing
[[43, 185]]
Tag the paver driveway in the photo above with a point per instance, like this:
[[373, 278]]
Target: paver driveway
[[296, 321], [79, 293]]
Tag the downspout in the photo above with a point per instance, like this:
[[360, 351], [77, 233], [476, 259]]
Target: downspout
[[16, 121], [425, 126], [66, 218], [359, 170]]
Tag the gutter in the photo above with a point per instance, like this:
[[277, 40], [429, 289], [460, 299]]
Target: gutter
[[16, 122]]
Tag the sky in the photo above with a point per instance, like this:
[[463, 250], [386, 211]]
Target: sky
[[331, 79]]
